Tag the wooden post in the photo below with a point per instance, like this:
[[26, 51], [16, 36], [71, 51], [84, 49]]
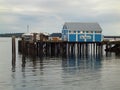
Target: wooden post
[[80, 49], [41, 49], [13, 54], [101, 49], [13, 46], [50, 49], [23, 45], [91, 48], [86, 51], [34, 37], [20, 46], [37, 48]]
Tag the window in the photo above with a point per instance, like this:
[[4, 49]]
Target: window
[[81, 31], [87, 31], [91, 31], [78, 31], [85, 37], [71, 32], [74, 31]]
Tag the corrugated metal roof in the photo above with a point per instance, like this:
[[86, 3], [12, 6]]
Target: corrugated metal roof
[[90, 26]]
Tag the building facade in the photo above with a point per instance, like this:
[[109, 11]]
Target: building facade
[[82, 32]]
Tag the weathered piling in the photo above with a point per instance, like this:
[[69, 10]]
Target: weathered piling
[[13, 46], [41, 49], [20, 46], [13, 53]]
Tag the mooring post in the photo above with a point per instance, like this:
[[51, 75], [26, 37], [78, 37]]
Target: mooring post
[[13, 53], [13, 46]]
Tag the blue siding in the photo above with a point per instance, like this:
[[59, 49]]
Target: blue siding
[[80, 39], [72, 37], [98, 37], [65, 35], [90, 38]]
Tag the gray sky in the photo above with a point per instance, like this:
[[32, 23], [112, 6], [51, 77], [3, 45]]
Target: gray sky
[[50, 15]]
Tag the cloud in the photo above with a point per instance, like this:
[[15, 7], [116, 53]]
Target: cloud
[[50, 15]]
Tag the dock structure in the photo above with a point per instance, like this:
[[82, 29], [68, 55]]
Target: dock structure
[[112, 46], [60, 48], [81, 38], [63, 48]]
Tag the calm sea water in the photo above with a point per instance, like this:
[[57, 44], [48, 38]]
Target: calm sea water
[[95, 72]]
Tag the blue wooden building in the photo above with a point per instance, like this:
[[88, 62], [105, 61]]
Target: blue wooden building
[[81, 32]]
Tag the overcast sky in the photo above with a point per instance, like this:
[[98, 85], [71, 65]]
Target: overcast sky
[[50, 15]]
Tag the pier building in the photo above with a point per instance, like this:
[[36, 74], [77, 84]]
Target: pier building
[[82, 32], [55, 37]]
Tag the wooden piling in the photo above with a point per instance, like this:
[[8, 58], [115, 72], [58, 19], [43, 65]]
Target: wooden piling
[[13, 46], [13, 54], [80, 49]]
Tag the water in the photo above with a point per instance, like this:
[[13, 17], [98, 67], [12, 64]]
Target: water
[[94, 72]]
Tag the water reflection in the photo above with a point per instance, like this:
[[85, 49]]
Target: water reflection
[[77, 62], [108, 54], [72, 70], [33, 63], [23, 63], [41, 63]]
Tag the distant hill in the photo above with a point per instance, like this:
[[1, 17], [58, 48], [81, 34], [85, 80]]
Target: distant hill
[[11, 34]]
